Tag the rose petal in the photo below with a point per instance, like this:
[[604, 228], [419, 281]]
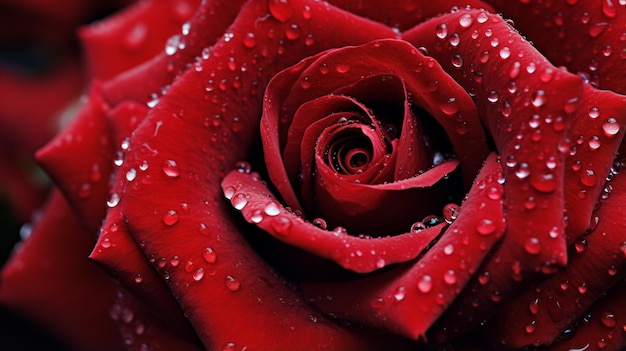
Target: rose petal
[[409, 299], [405, 14], [132, 36], [602, 327], [83, 180], [190, 182], [50, 280], [351, 252], [141, 330], [143, 83], [598, 261], [584, 36], [421, 75]]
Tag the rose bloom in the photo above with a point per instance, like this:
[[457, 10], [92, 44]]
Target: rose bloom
[[342, 175]]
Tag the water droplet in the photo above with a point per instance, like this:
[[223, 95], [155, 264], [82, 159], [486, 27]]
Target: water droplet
[[608, 319], [449, 277], [450, 107], [448, 249], [484, 279], [523, 170], [505, 53], [198, 274], [292, 32], [172, 44], [271, 209], [594, 142], [441, 31], [342, 67], [485, 227], [249, 40], [532, 246], [451, 212], [320, 223], [455, 39], [425, 284], [530, 328], [113, 201], [170, 218], [588, 178], [209, 255], [597, 28], [400, 293], [538, 98], [281, 225], [466, 20], [170, 168], [545, 183], [580, 246], [257, 216], [239, 201], [609, 9], [610, 127], [482, 17], [457, 60], [131, 174], [493, 96], [232, 283]]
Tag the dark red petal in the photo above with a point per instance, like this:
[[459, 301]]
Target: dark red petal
[[83, 180], [144, 82], [404, 14], [141, 330], [602, 328], [237, 291], [409, 299], [50, 280], [248, 194], [118, 253], [598, 128], [526, 104], [587, 37], [597, 262], [133, 35]]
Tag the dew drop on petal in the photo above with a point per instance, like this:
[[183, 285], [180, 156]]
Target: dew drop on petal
[[485, 227], [545, 183], [532, 246], [534, 306], [198, 274], [249, 40], [170, 168], [239, 201], [281, 10], [282, 225], [400, 293], [610, 127], [425, 284], [320, 223], [505, 53], [342, 67], [232, 283], [608, 319], [113, 201], [138, 278], [172, 44], [441, 31], [209, 255], [588, 178], [449, 277], [539, 98], [170, 218], [271, 209], [466, 20]]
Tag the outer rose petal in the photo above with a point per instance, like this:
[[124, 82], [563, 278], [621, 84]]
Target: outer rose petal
[[144, 82], [606, 329], [83, 180], [50, 280], [408, 299], [132, 36], [183, 189], [361, 255], [584, 36], [598, 261], [142, 330]]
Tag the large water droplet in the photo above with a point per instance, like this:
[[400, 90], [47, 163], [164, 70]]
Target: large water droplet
[[588, 178], [441, 31], [232, 283], [113, 201], [449, 277], [209, 255], [400, 293], [425, 284], [281, 10], [532, 246], [485, 227], [170, 168], [198, 274], [545, 183], [170, 218], [172, 44], [239, 201], [608, 319], [610, 127]]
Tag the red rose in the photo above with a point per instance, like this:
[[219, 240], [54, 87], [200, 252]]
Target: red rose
[[301, 175]]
